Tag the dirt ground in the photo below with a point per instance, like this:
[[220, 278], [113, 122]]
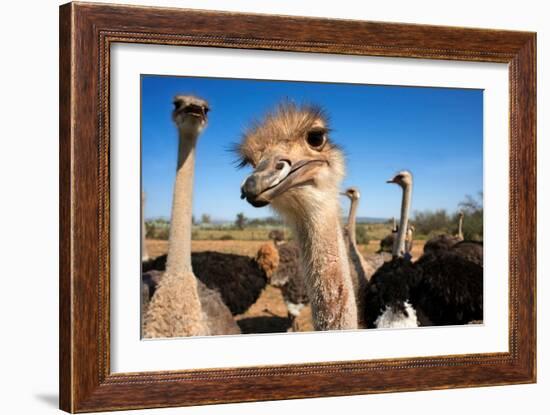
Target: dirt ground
[[269, 313], [157, 247]]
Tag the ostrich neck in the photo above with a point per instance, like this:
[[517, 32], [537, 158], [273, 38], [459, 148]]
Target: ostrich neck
[[179, 245], [351, 221], [399, 247], [327, 275], [360, 271], [460, 234]]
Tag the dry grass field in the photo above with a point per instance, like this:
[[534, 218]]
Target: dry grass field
[[269, 313], [159, 247]]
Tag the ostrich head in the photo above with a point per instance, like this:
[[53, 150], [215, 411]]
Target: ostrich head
[[276, 236], [353, 193], [402, 178], [190, 113], [296, 166]]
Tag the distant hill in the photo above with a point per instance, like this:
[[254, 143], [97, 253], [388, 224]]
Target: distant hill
[[367, 219], [229, 222], [360, 219]]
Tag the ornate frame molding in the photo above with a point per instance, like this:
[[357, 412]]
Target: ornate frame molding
[[86, 33]]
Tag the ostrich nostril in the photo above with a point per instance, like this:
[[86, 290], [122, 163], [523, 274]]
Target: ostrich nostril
[[249, 186]]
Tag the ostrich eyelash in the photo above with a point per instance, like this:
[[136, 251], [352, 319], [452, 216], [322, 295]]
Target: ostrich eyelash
[[242, 163]]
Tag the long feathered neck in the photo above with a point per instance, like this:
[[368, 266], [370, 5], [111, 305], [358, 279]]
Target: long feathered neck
[[325, 262], [399, 247], [351, 221], [179, 245], [460, 234], [355, 256], [360, 270]]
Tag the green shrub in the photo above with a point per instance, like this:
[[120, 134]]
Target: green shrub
[[362, 235], [473, 217], [157, 229], [241, 220], [431, 223]]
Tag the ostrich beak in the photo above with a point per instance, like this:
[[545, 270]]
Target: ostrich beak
[[276, 175], [197, 111]]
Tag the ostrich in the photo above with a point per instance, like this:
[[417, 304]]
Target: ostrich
[[470, 250], [298, 170], [364, 267], [361, 268], [386, 244], [409, 240], [239, 279], [288, 258], [450, 291], [445, 242], [373, 261], [277, 236], [181, 306], [289, 277], [441, 288], [388, 298], [268, 259]]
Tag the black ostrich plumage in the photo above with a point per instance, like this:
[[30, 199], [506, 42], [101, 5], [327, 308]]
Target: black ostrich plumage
[[450, 291], [238, 278], [289, 276], [386, 244], [444, 288], [440, 243], [390, 286], [470, 250], [149, 283], [157, 264]]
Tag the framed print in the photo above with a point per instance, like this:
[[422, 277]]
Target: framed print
[[259, 207]]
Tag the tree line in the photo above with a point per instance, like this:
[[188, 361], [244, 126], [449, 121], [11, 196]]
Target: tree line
[[427, 223]]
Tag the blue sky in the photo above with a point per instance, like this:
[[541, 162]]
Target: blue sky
[[437, 133]]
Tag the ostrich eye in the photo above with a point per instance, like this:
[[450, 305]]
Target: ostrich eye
[[177, 105], [206, 110], [316, 139]]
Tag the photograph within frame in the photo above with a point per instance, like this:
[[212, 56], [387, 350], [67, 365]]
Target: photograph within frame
[[436, 132], [131, 62]]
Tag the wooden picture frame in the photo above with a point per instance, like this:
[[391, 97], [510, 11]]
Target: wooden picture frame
[[86, 33]]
